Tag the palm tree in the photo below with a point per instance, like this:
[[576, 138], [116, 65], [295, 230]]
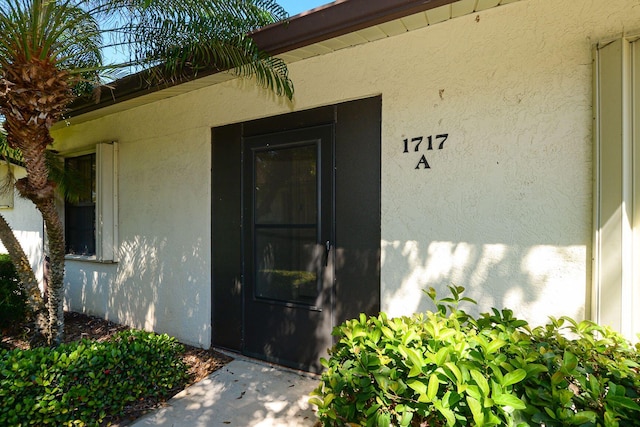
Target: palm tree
[[52, 50]]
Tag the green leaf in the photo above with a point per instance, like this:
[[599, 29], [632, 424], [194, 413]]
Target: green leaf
[[387, 332], [476, 411], [384, 419], [471, 390], [610, 419], [535, 369], [583, 417], [447, 413], [418, 386], [569, 362], [496, 390], [495, 345], [414, 356], [594, 385], [557, 378], [565, 397], [432, 389], [481, 381], [415, 371], [372, 410], [509, 400], [316, 401], [624, 402], [406, 418], [451, 367], [441, 356], [513, 377], [383, 381]]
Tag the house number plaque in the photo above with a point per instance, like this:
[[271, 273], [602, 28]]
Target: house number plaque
[[418, 143]]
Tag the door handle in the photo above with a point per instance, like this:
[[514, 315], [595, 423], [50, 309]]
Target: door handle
[[327, 249]]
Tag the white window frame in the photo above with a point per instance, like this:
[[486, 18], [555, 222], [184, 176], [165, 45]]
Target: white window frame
[[106, 204]]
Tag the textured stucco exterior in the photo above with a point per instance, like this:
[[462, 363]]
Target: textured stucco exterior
[[27, 225], [504, 210]]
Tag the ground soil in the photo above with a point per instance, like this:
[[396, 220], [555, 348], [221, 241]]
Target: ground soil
[[201, 362]]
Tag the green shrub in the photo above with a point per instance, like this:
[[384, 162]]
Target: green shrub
[[12, 298], [448, 368], [83, 382], [592, 378]]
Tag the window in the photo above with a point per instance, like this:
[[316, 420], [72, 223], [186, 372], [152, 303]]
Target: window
[[91, 227], [80, 214], [616, 249]]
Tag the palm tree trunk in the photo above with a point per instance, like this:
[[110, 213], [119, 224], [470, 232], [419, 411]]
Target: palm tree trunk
[[55, 287], [37, 188], [28, 280]]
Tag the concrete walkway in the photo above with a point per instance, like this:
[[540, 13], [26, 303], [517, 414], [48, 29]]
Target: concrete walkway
[[243, 393]]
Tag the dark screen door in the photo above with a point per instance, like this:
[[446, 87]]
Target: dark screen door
[[288, 206]]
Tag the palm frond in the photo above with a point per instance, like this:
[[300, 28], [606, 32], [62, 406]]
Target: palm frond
[[57, 31], [181, 34], [69, 182], [206, 37], [7, 153], [8, 156]]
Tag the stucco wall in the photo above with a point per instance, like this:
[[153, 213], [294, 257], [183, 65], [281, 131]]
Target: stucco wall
[[504, 210], [26, 222]]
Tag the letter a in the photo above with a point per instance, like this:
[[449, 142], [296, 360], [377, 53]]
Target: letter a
[[423, 161]]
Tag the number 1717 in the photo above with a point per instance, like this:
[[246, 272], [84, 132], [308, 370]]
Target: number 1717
[[415, 142]]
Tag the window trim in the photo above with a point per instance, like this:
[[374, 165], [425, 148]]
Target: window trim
[[106, 215]]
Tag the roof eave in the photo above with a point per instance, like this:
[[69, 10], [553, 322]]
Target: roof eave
[[336, 19], [326, 22]]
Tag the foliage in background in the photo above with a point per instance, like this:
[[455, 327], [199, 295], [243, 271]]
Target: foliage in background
[[12, 298], [450, 369], [83, 382]]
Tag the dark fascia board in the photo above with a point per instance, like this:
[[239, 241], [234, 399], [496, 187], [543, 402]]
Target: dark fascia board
[[332, 20], [126, 88], [336, 19]]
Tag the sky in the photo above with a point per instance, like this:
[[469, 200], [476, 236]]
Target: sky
[[294, 7]]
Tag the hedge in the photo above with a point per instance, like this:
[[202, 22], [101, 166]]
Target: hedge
[[446, 368], [83, 382]]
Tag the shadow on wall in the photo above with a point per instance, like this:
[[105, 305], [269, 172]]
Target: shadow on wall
[[534, 281], [154, 286], [32, 242]]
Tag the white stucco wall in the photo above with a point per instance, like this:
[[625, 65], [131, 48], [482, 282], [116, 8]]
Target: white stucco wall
[[26, 222], [505, 209]]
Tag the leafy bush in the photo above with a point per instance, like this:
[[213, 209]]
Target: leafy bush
[[82, 382], [12, 298], [447, 368]]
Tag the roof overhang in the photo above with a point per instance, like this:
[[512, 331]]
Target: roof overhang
[[337, 25], [337, 19]]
